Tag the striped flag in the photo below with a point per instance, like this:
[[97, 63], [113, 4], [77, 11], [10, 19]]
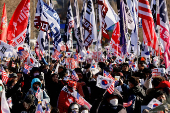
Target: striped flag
[[111, 88], [39, 109], [74, 76], [48, 110], [57, 55], [68, 28], [4, 76], [127, 104], [149, 35], [37, 94], [79, 99]]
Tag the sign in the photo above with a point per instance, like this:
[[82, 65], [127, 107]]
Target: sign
[[70, 63], [158, 71]]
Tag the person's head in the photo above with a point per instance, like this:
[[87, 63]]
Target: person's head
[[160, 95], [55, 110], [35, 84], [28, 101], [133, 81], [146, 72], [60, 69], [35, 71], [156, 80], [74, 108], [113, 100], [12, 76], [84, 109], [12, 83], [79, 73], [125, 67], [87, 67], [19, 74], [141, 65], [54, 77], [6, 69]]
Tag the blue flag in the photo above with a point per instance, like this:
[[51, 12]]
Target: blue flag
[[123, 29], [47, 17]]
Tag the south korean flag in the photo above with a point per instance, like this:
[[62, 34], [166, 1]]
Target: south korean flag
[[6, 50], [103, 82]]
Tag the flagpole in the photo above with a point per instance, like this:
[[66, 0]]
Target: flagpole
[[96, 35], [158, 35], [48, 49]]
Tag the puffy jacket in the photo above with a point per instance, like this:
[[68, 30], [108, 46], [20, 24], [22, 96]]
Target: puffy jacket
[[136, 94], [42, 92]]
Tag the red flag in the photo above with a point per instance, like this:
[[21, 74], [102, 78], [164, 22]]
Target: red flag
[[115, 40], [18, 24], [127, 104], [4, 76], [3, 27], [149, 34]]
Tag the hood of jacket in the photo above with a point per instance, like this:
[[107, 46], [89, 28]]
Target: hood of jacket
[[33, 81]]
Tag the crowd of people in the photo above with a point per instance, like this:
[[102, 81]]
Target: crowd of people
[[53, 91]]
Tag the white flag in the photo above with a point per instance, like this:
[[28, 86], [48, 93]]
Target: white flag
[[89, 25], [103, 82], [4, 104], [6, 50], [154, 103]]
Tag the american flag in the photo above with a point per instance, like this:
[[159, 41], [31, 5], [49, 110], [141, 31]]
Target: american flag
[[48, 110], [37, 94], [74, 76], [4, 76], [23, 54], [57, 55], [127, 104], [111, 88], [79, 99], [26, 68], [149, 35]]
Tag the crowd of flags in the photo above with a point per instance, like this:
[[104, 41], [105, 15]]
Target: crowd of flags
[[15, 37], [47, 21]]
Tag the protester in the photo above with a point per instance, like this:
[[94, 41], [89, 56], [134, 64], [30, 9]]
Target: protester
[[110, 103], [133, 92], [35, 84]]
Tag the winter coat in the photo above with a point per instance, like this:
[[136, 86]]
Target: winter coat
[[64, 101], [53, 91], [101, 105], [42, 92], [16, 95], [136, 94]]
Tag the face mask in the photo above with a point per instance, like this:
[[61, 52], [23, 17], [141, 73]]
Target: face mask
[[114, 102], [85, 111], [0, 88], [35, 74], [35, 88]]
